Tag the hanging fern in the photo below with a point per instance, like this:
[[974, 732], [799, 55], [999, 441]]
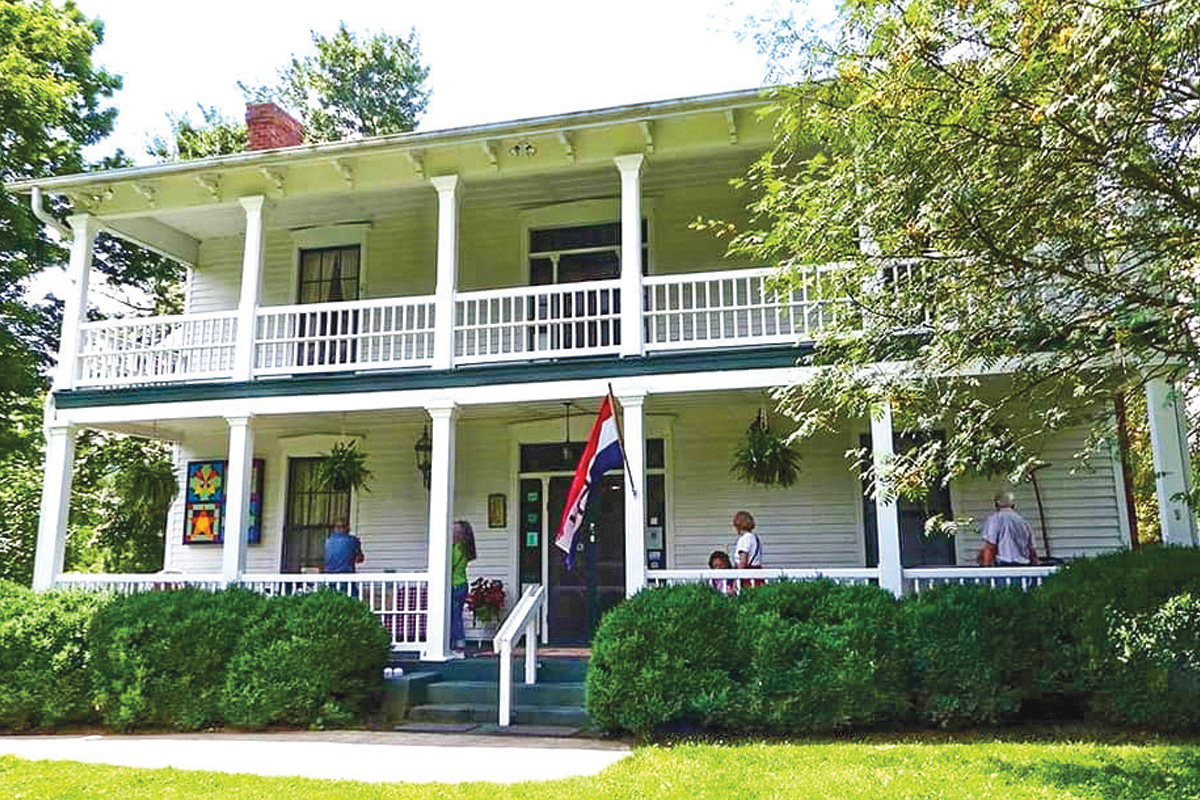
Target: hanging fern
[[344, 468], [764, 457]]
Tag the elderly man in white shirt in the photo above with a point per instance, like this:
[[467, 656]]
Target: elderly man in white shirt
[[1007, 537]]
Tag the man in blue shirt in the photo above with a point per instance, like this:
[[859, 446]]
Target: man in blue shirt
[[342, 550]]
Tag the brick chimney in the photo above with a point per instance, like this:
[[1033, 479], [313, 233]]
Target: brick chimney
[[269, 126]]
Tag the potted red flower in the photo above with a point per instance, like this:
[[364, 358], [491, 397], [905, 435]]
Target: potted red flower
[[485, 599]]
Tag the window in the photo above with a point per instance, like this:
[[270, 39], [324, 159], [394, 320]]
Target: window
[[311, 512], [329, 274]]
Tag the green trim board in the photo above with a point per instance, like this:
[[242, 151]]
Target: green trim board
[[466, 376]]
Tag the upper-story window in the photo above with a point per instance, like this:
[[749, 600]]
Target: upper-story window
[[329, 274], [579, 253]]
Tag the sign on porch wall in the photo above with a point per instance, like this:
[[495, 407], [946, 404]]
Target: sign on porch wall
[[204, 512]]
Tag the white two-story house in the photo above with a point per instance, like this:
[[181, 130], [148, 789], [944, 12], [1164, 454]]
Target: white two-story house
[[458, 302]]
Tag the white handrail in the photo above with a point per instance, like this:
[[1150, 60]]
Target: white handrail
[[523, 620]]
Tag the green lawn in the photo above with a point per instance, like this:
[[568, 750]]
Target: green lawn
[[829, 770]]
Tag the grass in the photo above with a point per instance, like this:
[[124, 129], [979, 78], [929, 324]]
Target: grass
[[987, 769]]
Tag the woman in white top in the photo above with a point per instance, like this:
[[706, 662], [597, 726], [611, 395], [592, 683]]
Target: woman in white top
[[747, 550]]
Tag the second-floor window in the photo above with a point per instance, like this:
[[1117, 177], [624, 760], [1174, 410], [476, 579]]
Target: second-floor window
[[581, 253], [329, 274]]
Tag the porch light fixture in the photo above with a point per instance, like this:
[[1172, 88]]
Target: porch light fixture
[[424, 450], [523, 148]]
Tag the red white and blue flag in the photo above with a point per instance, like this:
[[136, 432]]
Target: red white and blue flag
[[603, 452]]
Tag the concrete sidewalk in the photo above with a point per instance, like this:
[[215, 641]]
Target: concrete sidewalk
[[338, 755]]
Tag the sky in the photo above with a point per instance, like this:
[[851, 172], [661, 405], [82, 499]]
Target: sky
[[490, 61]]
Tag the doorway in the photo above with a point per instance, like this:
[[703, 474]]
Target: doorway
[[916, 549], [578, 597], [311, 512]]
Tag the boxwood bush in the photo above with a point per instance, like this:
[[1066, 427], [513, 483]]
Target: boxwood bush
[[974, 653], [312, 660], [818, 656], [44, 660], [159, 658], [665, 657]]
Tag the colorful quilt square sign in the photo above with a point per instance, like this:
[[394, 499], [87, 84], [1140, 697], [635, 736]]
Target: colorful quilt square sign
[[204, 512]]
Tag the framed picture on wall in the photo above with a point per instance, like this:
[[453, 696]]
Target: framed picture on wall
[[497, 511]]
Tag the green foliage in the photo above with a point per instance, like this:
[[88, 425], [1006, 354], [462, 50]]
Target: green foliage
[[1158, 678], [665, 656], [818, 656], [344, 468], [214, 135], [313, 660], [21, 492], [1006, 184], [44, 669], [975, 652], [764, 457], [352, 87], [160, 658]]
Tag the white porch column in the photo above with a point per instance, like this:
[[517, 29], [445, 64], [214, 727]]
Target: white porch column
[[237, 497], [1172, 464], [56, 502], [631, 254], [252, 261], [887, 511], [635, 505], [83, 228], [447, 271], [441, 509]]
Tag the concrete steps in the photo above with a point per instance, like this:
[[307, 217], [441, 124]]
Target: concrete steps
[[457, 694]]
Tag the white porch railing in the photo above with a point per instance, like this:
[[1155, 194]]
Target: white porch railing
[[538, 322], [920, 578], [400, 600], [150, 350], [522, 621], [732, 581], [736, 307], [328, 337]]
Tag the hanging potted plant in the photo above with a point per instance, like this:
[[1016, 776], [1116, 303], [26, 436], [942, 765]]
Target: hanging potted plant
[[764, 457], [344, 468]]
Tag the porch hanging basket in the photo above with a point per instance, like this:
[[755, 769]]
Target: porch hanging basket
[[764, 457], [344, 468]]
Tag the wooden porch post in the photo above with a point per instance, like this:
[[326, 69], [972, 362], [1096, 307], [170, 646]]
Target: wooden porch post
[[441, 509], [84, 228], [237, 497], [252, 262], [56, 502], [447, 271], [887, 510], [1172, 463], [631, 254], [635, 502]]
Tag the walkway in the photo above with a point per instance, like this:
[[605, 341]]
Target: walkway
[[337, 755]]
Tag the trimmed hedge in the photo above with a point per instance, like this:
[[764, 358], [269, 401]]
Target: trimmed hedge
[[159, 658], [975, 653], [309, 660], [44, 659], [818, 656], [1117, 636], [665, 656]]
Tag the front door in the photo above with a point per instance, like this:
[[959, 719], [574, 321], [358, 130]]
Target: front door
[[311, 512], [578, 597]]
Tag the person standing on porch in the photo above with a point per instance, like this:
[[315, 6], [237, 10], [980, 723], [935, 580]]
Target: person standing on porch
[[342, 549], [1007, 537], [747, 550], [462, 552]]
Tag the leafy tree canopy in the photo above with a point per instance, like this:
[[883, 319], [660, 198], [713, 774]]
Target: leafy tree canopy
[[1006, 181], [214, 135], [352, 87]]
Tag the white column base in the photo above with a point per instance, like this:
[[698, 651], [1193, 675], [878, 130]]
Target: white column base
[[441, 509], [887, 510], [56, 503]]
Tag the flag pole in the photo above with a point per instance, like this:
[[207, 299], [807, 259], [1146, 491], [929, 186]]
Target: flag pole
[[621, 439]]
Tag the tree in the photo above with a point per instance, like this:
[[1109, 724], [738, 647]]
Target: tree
[[352, 88], [1006, 182], [215, 135], [51, 107]]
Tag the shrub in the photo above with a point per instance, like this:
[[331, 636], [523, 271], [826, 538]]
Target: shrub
[[818, 656], [1157, 678], [665, 657], [44, 669], [974, 653], [311, 660], [1080, 600], [160, 657]]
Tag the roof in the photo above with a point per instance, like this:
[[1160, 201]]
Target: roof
[[410, 141]]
